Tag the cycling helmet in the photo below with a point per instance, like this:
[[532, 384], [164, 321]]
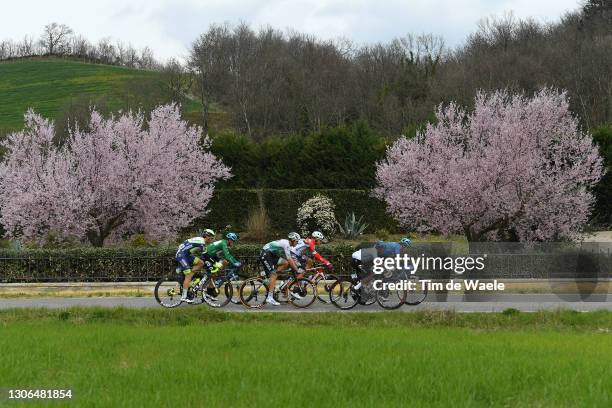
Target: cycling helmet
[[318, 235], [231, 236], [208, 233], [405, 241], [294, 236]]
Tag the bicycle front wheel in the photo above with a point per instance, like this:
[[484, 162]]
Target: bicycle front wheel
[[323, 287], [253, 293], [343, 294], [236, 292], [390, 298], [220, 295], [416, 296], [301, 293]]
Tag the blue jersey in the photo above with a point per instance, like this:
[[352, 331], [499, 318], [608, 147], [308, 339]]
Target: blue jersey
[[192, 246], [388, 249]]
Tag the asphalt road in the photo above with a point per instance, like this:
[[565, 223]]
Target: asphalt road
[[476, 303]]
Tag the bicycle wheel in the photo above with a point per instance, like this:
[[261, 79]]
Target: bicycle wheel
[[343, 294], [236, 292], [367, 295], [390, 298], [323, 287], [301, 293], [416, 296], [168, 292], [253, 293], [223, 295]]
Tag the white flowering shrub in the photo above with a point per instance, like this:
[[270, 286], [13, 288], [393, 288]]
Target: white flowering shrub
[[317, 214]]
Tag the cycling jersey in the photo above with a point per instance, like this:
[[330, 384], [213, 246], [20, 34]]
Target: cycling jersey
[[192, 246], [307, 247], [220, 250], [280, 248], [365, 255], [388, 249], [188, 253]]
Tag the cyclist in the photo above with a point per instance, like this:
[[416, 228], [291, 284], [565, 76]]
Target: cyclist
[[189, 258], [276, 257], [363, 257], [305, 250], [219, 256]]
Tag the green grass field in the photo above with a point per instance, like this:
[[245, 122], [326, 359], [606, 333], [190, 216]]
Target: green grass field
[[197, 357], [48, 84]]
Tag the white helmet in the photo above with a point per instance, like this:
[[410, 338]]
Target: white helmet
[[294, 236], [318, 235]]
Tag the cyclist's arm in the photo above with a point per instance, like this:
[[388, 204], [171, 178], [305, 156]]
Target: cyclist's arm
[[316, 255], [228, 256], [196, 250]]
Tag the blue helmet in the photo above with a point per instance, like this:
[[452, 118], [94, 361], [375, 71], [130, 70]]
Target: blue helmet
[[231, 236], [405, 241]]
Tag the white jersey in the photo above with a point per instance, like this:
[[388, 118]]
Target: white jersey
[[299, 248], [280, 248]]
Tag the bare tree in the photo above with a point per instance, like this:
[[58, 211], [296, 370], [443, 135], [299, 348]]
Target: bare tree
[[176, 80], [106, 50], [55, 38]]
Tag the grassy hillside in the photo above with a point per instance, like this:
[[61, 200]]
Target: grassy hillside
[[49, 85]]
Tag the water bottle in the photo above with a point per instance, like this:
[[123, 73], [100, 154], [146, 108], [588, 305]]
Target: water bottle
[[194, 282]]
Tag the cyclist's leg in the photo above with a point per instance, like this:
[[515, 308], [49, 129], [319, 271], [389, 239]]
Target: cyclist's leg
[[356, 270], [281, 265], [301, 262], [197, 264], [269, 261], [185, 262]]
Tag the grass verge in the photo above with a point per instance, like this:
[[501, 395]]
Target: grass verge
[[127, 357]]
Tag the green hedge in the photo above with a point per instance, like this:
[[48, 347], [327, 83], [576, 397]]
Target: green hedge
[[602, 211], [121, 264], [233, 206]]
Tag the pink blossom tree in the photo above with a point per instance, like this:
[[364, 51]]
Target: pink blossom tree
[[118, 177], [514, 168]]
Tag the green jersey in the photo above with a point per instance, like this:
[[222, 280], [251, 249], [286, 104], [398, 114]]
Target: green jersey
[[220, 249]]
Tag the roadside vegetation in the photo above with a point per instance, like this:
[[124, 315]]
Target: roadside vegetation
[[419, 359]]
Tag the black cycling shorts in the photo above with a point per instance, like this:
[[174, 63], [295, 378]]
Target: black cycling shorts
[[358, 270], [268, 261]]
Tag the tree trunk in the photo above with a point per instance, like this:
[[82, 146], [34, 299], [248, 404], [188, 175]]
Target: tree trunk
[[95, 238]]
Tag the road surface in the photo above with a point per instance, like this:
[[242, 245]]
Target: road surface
[[523, 302]]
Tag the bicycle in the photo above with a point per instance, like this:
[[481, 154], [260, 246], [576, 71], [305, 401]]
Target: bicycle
[[169, 290], [346, 293], [320, 280], [298, 292], [391, 295], [418, 295], [234, 278]]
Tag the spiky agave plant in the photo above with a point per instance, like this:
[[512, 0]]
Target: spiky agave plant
[[352, 227]]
